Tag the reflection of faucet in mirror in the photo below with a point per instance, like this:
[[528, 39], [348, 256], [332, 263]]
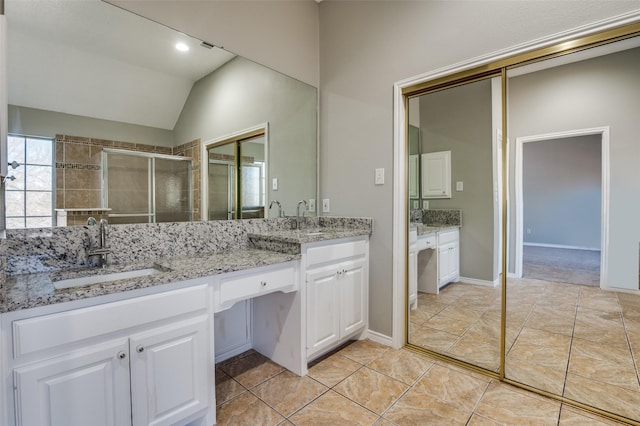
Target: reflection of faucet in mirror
[[280, 211], [102, 250], [299, 219]]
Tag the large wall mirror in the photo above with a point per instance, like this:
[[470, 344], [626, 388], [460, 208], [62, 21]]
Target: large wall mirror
[[95, 90], [567, 178]]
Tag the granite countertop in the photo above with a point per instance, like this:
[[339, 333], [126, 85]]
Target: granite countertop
[[424, 229], [267, 248], [33, 290], [304, 236]]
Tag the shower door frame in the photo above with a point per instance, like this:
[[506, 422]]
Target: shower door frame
[[151, 175]]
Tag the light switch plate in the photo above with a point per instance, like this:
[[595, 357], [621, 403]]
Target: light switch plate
[[325, 205], [379, 177], [312, 204], [274, 184], [459, 186]]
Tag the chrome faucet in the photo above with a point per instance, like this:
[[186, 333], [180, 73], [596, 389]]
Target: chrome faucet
[[102, 251], [280, 211], [298, 218]]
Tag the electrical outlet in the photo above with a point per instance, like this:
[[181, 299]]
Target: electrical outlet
[[274, 184], [312, 204], [325, 205], [529, 231], [416, 204], [459, 186], [425, 205], [379, 177]]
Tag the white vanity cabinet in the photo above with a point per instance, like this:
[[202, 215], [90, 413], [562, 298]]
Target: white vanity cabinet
[[337, 286], [448, 256], [141, 361]]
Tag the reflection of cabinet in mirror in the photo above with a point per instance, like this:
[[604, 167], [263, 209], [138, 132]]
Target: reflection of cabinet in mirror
[[436, 174], [413, 268], [448, 257], [414, 161]]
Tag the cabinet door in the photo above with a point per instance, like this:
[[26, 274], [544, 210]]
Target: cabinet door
[[436, 174], [454, 262], [323, 309], [86, 387], [448, 263], [352, 281], [413, 277], [414, 161], [444, 264], [232, 330], [170, 372]]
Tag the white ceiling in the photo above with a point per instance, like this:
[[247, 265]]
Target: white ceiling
[[90, 58]]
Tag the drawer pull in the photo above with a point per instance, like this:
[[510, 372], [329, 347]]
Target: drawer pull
[[140, 349], [122, 354]]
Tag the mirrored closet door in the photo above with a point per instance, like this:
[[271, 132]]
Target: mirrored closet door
[[546, 216], [454, 233], [572, 288]]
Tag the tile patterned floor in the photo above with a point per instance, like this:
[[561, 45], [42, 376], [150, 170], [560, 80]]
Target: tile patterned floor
[[367, 383], [571, 340]]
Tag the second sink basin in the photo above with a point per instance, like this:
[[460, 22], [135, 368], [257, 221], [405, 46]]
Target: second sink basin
[[89, 280]]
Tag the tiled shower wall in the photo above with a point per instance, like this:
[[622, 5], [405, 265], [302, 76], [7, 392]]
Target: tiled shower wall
[[79, 173]]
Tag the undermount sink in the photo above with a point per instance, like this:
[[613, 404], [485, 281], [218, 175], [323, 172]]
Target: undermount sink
[[89, 280]]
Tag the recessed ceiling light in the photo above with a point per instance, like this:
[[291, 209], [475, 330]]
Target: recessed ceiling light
[[182, 47]]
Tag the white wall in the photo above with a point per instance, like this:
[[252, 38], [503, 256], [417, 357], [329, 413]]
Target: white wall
[[38, 122], [365, 47], [241, 95], [561, 188], [280, 34], [460, 120]]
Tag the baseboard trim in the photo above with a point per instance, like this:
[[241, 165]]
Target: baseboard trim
[[379, 338], [484, 283], [561, 246]]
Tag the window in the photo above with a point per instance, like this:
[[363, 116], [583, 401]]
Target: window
[[29, 186]]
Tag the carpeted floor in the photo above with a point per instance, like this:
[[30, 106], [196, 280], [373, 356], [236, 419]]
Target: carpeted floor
[[561, 265]]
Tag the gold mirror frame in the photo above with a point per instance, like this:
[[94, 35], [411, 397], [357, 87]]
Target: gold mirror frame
[[493, 69]]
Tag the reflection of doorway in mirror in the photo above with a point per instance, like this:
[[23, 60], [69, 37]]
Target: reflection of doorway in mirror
[[220, 190], [235, 177]]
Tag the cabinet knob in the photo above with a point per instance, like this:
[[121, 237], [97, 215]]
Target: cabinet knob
[[140, 349], [122, 354], [339, 272], [344, 271], [263, 283]]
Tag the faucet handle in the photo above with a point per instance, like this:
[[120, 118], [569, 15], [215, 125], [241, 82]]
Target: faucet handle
[[91, 221]]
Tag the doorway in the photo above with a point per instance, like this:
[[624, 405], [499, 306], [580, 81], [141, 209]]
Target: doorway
[[561, 199]]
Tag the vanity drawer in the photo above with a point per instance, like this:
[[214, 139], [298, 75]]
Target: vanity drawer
[[447, 236], [247, 286], [339, 251], [426, 241], [63, 328]]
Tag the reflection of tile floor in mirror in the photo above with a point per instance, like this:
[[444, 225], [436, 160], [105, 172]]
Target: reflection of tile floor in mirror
[[571, 340], [367, 383]]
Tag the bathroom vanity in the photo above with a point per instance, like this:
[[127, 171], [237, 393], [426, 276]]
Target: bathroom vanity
[[434, 259], [142, 350]]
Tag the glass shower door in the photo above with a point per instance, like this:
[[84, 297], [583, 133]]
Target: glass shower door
[[128, 182], [172, 190]]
